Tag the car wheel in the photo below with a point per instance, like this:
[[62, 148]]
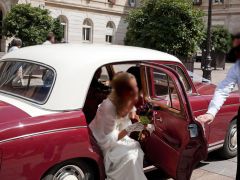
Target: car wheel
[[70, 170], [229, 149]]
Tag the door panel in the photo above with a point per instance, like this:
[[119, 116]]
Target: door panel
[[172, 147]]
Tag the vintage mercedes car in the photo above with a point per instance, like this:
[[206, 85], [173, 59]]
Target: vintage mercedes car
[[49, 94]]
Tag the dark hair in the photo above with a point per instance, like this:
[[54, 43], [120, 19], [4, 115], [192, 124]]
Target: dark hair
[[233, 54], [120, 84], [50, 36], [16, 42], [134, 70], [236, 36]]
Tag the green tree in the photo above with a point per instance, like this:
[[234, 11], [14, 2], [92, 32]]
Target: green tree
[[30, 24], [172, 26], [58, 30], [221, 39]]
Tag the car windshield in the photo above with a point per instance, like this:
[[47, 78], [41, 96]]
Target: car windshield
[[28, 80], [197, 78]]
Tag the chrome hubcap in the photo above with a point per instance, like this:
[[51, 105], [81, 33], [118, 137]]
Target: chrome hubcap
[[233, 138], [69, 172]]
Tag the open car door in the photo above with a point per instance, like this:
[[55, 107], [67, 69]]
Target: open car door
[[178, 142]]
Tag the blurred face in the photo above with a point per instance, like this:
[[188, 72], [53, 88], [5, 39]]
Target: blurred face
[[236, 42], [132, 95]]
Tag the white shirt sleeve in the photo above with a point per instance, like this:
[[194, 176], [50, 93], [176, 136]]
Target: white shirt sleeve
[[223, 90]]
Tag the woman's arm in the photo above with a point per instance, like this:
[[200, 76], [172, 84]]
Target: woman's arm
[[122, 134]]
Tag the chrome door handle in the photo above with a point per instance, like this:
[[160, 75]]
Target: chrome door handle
[[159, 119]]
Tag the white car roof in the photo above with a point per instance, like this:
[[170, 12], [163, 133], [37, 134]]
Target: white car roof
[[75, 66]]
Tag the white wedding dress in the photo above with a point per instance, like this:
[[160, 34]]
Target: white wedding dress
[[123, 159]]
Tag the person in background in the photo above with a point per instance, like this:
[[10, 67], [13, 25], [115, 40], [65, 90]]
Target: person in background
[[236, 42], [223, 90], [50, 39], [15, 44]]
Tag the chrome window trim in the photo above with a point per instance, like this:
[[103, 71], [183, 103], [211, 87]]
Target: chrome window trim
[[41, 133]]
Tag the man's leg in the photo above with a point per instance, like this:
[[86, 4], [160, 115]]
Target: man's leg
[[238, 145]]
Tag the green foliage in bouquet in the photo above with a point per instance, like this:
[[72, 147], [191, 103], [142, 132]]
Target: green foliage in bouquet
[[145, 120]]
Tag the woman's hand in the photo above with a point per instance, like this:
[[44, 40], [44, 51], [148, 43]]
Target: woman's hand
[[131, 128], [134, 127], [122, 134], [134, 116]]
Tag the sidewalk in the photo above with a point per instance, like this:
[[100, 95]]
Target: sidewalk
[[200, 174], [215, 168], [217, 75]]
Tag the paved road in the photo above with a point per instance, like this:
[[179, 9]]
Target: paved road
[[217, 75], [214, 168]]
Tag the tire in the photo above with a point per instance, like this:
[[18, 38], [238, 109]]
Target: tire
[[229, 149], [73, 169]]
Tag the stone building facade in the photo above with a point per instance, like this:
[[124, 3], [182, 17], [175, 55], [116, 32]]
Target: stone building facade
[[225, 13], [87, 21]]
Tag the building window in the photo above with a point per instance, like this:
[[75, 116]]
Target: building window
[[110, 30], [197, 2], [218, 1], [132, 3], [64, 25], [112, 2], [87, 30]]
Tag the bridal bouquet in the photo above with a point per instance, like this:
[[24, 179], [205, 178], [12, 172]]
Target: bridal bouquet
[[145, 115]]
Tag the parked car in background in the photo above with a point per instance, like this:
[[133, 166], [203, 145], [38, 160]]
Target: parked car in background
[[47, 101]]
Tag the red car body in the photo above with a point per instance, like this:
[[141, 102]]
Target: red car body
[[31, 146]]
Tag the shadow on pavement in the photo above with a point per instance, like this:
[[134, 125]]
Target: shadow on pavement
[[215, 156], [156, 175]]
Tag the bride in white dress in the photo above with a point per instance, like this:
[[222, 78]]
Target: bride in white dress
[[123, 156]]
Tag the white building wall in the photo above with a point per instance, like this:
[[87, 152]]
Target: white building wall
[[75, 11], [226, 14], [100, 20]]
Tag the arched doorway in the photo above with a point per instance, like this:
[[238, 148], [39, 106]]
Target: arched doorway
[[87, 31], [110, 32]]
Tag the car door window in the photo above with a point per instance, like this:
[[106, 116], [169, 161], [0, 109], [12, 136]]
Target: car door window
[[162, 89], [104, 76], [182, 77]]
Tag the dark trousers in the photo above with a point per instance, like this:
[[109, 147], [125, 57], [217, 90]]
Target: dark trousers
[[238, 145]]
